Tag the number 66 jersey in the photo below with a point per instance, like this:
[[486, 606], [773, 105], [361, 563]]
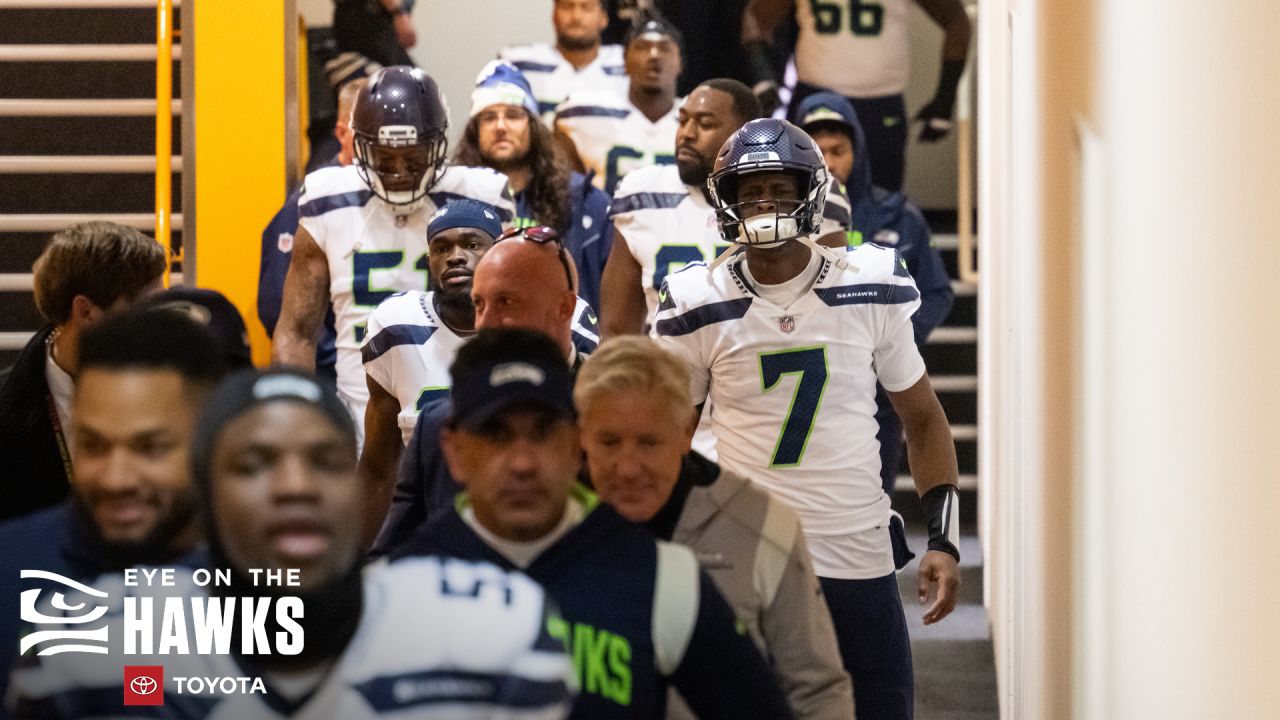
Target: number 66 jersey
[[793, 389]]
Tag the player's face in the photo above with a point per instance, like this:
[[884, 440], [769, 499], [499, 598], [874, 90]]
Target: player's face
[[706, 122], [400, 168], [284, 493], [653, 62], [579, 23], [635, 445], [837, 152], [452, 256], [503, 135], [130, 443], [518, 468], [767, 192]]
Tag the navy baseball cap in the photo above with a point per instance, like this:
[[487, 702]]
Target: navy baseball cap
[[508, 368], [827, 108], [465, 213], [213, 311]]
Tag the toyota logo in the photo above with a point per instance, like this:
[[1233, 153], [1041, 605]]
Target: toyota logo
[[143, 685]]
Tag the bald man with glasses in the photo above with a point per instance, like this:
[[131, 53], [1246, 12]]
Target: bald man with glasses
[[524, 281]]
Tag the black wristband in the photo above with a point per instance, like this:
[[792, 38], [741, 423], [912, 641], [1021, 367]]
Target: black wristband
[[759, 62], [948, 81], [941, 507]]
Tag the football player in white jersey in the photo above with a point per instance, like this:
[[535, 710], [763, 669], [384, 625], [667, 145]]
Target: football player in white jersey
[[275, 463], [662, 214], [787, 339], [578, 61], [362, 229], [610, 135], [860, 50], [413, 337]]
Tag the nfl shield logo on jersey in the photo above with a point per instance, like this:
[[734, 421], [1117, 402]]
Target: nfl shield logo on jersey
[[787, 323]]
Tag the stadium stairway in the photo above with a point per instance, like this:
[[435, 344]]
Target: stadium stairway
[[954, 659], [77, 134]]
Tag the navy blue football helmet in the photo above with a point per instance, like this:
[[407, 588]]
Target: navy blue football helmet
[[768, 145], [399, 121]]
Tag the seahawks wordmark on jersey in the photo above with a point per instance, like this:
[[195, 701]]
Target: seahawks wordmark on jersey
[[613, 137], [374, 253], [437, 638], [553, 78], [858, 49], [668, 224], [794, 388], [408, 350]]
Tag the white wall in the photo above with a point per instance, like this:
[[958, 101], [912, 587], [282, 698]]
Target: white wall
[[930, 179], [456, 39]]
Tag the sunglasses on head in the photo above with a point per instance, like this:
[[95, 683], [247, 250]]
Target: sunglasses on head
[[541, 235]]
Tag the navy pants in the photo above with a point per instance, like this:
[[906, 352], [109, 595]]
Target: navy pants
[[872, 632], [884, 122]]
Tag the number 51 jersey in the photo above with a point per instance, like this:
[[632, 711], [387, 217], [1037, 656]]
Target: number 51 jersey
[[373, 254], [794, 388]]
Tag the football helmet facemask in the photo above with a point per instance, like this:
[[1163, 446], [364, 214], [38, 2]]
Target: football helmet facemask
[[399, 121], [770, 217]]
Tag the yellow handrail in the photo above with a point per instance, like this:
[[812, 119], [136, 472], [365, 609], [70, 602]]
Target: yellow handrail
[[164, 128], [965, 266]]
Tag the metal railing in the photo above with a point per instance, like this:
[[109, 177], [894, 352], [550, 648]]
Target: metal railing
[[965, 265], [164, 129]]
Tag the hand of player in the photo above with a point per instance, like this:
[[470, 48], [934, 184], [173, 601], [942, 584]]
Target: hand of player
[[936, 120], [937, 567], [406, 35], [767, 93]]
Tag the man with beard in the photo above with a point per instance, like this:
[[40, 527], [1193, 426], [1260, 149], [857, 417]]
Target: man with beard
[[274, 462], [662, 216], [576, 63], [142, 378], [610, 135], [663, 219], [413, 337], [504, 134]]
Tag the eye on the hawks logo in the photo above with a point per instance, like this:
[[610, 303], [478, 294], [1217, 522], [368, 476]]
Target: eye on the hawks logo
[[72, 604], [143, 684]]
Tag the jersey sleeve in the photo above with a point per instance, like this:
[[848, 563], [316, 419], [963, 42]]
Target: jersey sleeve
[[309, 218], [483, 184], [378, 362], [277, 250], [897, 360], [688, 346]]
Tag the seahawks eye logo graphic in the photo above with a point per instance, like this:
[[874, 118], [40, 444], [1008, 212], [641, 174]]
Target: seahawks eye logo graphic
[[78, 608]]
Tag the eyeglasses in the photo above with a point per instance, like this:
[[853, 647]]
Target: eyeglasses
[[542, 235]]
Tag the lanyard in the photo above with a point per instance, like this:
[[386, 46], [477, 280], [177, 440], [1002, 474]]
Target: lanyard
[[58, 434]]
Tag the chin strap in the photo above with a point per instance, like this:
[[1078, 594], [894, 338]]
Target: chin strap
[[721, 259], [836, 258]]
